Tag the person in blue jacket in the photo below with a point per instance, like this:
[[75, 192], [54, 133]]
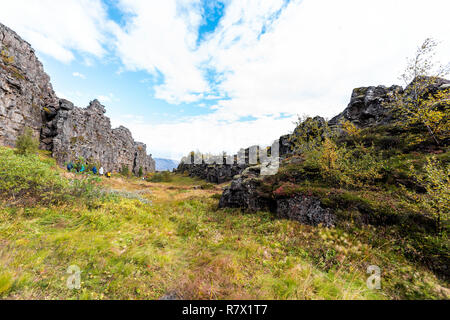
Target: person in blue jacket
[[94, 170], [70, 166], [82, 168]]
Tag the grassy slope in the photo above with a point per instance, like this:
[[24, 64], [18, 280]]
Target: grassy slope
[[130, 248]]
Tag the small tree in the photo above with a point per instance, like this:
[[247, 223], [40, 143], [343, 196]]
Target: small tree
[[416, 105], [26, 143], [125, 171], [436, 181], [350, 129], [141, 172]]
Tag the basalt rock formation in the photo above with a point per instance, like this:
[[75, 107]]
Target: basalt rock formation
[[220, 171], [367, 108], [87, 133], [26, 95], [27, 99]]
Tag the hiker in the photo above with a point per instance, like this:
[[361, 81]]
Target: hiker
[[94, 170], [82, 168], [108, 174], [70, 166], [101, 171]]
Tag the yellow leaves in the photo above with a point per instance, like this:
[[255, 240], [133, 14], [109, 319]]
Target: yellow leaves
[[329, 156], [350, 129], [436, 181]]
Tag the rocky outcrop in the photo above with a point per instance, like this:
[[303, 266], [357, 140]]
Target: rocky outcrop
[[306, 210], [367, 107], [245, 193], [220, 171], [87, 133], [26, 95], [27, 99], [213, 173]]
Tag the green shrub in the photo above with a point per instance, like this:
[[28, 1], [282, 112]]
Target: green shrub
[[26, 178], [436, 180], [161, 177], [141, 172], [26, 144], [339, 165], [125, 171], [207, 186]]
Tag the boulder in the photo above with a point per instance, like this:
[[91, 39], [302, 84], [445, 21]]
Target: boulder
[[306, 210], [245, 193]]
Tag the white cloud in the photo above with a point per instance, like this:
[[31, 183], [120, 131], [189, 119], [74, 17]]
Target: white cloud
[[79, 75], [313, 53], [107, 98], [205, 133], [58, 28], [160, 38], [317, 51]]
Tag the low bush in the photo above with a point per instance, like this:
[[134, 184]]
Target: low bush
[[161, 177], [27, 179], [26, 143], [342, 166]]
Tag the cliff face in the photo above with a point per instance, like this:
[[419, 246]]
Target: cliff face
[[87, 133], [25, 89], [27, 99]]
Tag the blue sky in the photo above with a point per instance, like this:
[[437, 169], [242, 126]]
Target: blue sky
[[216, 76], [122, 90]]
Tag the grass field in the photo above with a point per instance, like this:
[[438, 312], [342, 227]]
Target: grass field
[[142, 240]]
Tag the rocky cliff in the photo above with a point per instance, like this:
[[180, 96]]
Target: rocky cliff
[[87, 133], [27, 99], [26, 94], [367, 109]]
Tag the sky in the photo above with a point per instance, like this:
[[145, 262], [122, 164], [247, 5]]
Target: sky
[[217, 76]]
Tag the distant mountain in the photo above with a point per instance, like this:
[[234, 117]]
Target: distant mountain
[[166, 164]]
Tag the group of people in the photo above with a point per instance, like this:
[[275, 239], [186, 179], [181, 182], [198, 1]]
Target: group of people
[[80, 168]]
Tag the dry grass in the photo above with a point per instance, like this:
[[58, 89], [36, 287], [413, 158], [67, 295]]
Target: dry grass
[[180, 242]]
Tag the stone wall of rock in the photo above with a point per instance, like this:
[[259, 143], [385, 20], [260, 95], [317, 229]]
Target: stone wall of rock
[[26, 94], [367, 108], [244, 193], [27, 99], [87, 133], [219, 171]]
